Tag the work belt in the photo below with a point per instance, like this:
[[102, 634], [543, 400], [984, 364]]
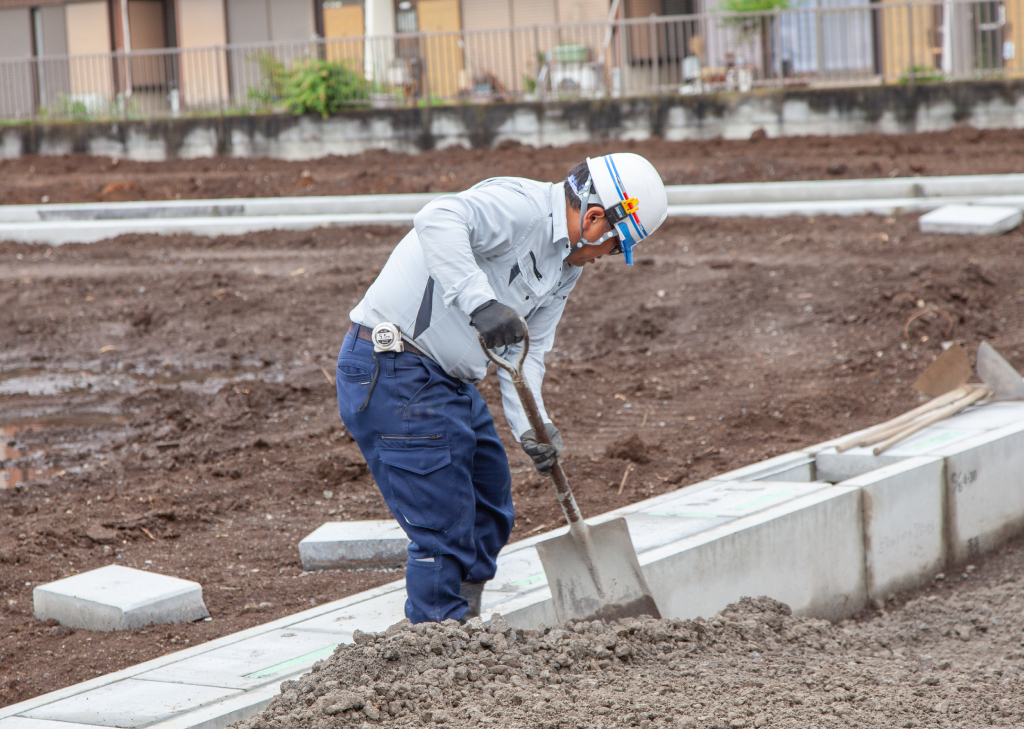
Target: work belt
[[365, 333]]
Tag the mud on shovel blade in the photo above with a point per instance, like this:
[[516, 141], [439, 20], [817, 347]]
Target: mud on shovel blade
[[593, 571]]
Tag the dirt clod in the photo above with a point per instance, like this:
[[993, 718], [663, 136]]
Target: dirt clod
[[631, 449]]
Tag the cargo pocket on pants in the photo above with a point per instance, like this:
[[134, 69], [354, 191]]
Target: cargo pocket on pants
[[421, 480]]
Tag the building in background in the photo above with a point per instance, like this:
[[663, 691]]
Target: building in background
[[208, 55]]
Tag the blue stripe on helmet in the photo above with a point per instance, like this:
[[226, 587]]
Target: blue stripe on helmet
[[615, 176], [614, 171]]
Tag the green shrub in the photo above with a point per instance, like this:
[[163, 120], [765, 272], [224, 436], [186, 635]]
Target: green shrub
[[921, 74], [309, 85], [751, 26]]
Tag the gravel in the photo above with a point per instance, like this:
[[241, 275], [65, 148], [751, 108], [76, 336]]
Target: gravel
[[940, 659]]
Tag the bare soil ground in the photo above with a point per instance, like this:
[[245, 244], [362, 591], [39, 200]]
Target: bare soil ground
[[729, 342], [947, 656], [163, 404], [80, 178]]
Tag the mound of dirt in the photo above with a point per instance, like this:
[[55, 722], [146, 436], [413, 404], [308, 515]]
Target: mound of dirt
[[464, 675], [753, 665]]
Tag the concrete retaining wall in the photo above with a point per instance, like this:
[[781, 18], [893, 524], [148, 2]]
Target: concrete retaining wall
[[791, 112]]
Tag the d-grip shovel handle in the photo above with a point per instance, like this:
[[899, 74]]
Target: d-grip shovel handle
[[515, 371]]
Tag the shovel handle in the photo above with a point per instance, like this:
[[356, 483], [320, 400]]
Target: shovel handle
[[936, 416], [558, 478], [881, 431]]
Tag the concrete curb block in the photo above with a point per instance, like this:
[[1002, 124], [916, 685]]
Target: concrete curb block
[[904, 538], [780, 528], [91, 231], [713, 194], [91, 222]]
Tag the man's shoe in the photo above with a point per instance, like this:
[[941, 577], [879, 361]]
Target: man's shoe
[[473, 593]]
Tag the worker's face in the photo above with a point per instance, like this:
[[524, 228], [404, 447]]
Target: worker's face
[[595, 224], [589, 254]]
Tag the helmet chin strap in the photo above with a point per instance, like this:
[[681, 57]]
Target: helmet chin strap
[[586, 195]]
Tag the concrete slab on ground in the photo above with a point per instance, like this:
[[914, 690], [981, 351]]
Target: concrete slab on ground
[[340, 543], [23, 722], [60, 232], [971, 219], [375, 614], [253, 662], [119, 598], [132, 703]]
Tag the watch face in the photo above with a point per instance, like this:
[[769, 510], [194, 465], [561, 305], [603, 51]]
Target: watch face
[[384, 337]]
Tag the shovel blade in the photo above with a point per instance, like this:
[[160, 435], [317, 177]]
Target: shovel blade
[[596, 578], [949, 371], [1000, 376]]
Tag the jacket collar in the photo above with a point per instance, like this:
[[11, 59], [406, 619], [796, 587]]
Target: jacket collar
[[559, 227]]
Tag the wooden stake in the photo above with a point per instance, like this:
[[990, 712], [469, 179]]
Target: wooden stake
[[624, 477]]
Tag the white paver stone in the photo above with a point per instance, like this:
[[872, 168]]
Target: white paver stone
[[222, 713], [971, 219], [119, 598], [129, 704], [339, 543]]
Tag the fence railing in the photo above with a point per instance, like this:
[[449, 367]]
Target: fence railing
[[855, 43]]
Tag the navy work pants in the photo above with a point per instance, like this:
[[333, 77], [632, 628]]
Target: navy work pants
[[432, 447]]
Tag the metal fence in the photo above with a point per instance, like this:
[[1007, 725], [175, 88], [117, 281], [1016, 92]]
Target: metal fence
[[852, 43]]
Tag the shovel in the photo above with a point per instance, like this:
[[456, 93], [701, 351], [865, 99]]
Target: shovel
[[998, 374], [1001, 382], [593, 571]]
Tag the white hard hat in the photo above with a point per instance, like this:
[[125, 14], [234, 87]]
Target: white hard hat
[[632, 194]]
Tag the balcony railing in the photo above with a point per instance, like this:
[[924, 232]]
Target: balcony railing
[[854, 44]]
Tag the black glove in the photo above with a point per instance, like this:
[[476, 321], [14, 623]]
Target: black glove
[[498, 324], [543, 455]]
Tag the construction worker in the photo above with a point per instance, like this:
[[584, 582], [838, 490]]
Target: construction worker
[[474, 263]]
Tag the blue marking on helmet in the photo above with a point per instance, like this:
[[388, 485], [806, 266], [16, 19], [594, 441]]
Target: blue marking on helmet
[[614, 171], [626, 238]]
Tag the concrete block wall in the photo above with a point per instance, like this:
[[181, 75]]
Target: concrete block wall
[[783, 112]]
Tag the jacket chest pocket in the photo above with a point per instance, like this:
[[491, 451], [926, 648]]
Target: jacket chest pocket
[[526, 284]]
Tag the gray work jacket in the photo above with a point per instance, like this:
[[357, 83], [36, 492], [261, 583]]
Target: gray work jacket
[[505, 238]]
